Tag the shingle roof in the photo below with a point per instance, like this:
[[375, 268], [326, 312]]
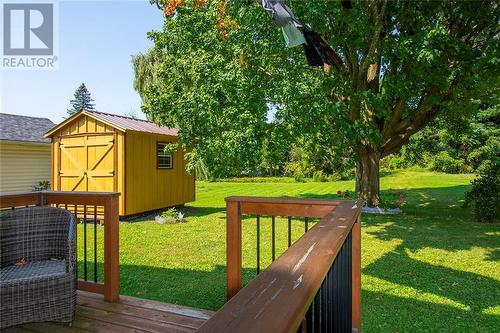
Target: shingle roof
[[120, 122], [24, 128]]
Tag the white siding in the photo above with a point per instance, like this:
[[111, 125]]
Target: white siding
[[23, 165]]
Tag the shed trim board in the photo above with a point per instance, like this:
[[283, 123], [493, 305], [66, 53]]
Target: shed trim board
[[84, 157], [72, 118]]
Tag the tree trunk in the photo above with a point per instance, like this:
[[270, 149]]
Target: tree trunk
[[367, 175]]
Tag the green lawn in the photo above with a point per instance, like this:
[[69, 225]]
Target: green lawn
[[430, 269]]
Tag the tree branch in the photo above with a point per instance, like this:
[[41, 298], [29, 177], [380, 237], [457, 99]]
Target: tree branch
[[413, 123], [374, 48]]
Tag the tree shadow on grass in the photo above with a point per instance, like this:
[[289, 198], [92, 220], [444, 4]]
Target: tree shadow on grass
[[438, 232], [388, 313], [183, 286], [202, 211], [187, 210], [475, 292], [428, 197], [494, 255], [433, 219]]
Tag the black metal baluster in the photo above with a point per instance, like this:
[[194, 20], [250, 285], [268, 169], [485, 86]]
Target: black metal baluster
[[337, 286], [258, 244], [324, 313], [306, 220], [348, 289], [85, 242], [341, 293], [95, 243], [329, 299], [317, 313], [309, 318], [75, 212], [289, 231], [273, 229]]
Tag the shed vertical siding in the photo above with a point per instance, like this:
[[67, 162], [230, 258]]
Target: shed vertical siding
[[82, 126], [147, 187], [23, 165]]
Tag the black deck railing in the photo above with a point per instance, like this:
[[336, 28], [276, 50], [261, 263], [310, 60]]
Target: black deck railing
[[290, 221], [331, 309]]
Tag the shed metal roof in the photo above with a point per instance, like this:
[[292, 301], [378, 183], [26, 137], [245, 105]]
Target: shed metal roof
[[23, 128], [120, 122]]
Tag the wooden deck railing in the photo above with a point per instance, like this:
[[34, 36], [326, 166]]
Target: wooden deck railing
[[89, 208], [314, 286]]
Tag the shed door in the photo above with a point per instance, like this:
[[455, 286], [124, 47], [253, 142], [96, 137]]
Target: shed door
[[87, 163]]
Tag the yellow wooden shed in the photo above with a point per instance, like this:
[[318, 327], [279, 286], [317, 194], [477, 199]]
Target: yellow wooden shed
[[100, 152]]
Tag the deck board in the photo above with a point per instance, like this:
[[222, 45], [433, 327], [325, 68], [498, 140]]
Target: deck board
[[129, 315]]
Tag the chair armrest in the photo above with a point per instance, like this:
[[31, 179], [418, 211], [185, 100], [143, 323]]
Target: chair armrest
[[71, 243]]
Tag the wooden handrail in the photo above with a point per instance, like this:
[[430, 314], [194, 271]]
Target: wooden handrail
[[239, 205], [284, 200], [277, 299], [20, 199], [109, 201], [315, 208]]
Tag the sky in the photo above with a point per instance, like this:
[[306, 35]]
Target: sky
[[96, 42]]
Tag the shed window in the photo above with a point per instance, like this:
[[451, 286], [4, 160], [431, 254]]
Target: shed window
[[164, 159]]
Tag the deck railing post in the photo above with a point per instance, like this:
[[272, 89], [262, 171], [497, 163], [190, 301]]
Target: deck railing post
[[111, 250], [356, 275], [233, 248], [42, 199]]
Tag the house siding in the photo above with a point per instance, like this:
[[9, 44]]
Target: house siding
[[23, 165]]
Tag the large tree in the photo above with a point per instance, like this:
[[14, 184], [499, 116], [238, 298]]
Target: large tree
[[218, 67]]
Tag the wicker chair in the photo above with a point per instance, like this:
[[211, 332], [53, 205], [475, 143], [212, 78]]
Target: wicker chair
[[37, 266]]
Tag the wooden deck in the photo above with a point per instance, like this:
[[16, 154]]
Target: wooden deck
[[131, 314]]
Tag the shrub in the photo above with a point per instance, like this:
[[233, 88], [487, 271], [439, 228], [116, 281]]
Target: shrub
[[319, 176], [257, 180], [346, 194], [443, 162], [335, 177], [170, 215], [42, 185], [391, 200], [396, 162], [485, 195], [299, 178], [347, 174]]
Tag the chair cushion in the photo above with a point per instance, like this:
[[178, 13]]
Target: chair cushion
[[33, 270]]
